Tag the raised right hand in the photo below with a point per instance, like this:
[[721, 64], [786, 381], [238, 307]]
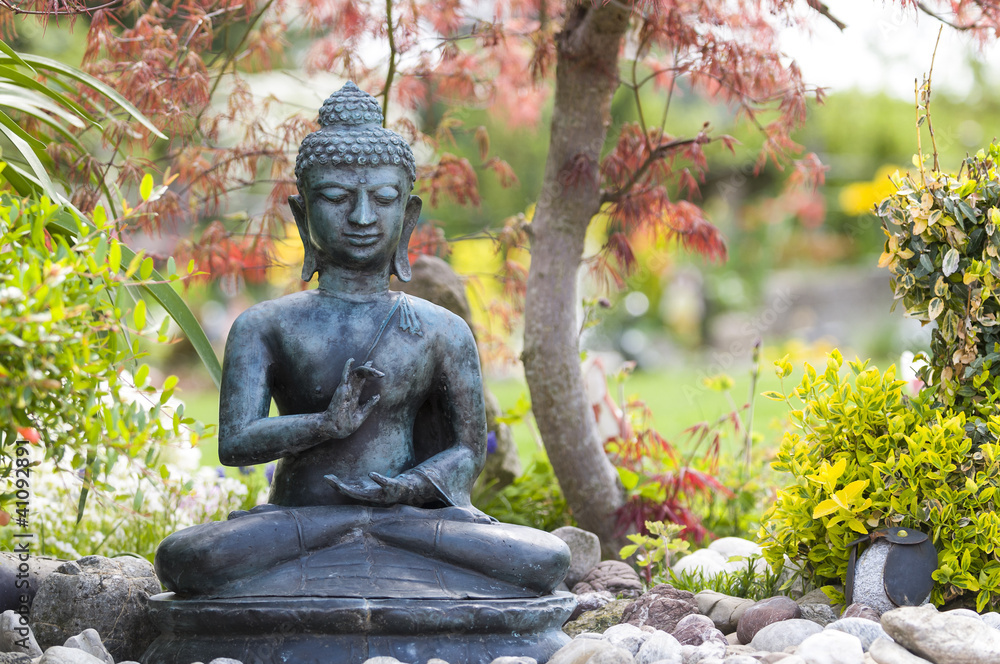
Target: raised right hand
[[345, 413]]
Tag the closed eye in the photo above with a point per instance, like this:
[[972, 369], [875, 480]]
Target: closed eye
[[386, 194], [334, 194]]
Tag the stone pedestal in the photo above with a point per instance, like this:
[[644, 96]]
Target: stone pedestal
[[324, 630]]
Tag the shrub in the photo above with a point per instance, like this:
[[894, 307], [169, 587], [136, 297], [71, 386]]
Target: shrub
[[534, 499], [69, 329], [864, 455], [943, 251]]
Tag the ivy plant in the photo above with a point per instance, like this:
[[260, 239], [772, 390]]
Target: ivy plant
[[943, 251], [863, 454]]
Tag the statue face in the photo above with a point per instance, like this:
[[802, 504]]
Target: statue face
[[355, 214]]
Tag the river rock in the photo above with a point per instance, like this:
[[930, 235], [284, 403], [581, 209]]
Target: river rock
[[61, 655], [612, 656], [89, 641], [943, 638], [662, 608], [821, 614], [584, 552], [598, 620], [15, 658], [857, 610], [590, 602], [706, 562], [992, 619], [579, 651], [16, 635], [831, 647], [661, 648], [784, 634], [626, 636], [884, 651], [866, 630], [765, 612], [708, 650], [724, 610], [108, 595], [696, 629], [514, 660], [614, 576]]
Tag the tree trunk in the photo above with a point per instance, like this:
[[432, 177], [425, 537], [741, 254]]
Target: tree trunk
[[586, 79]]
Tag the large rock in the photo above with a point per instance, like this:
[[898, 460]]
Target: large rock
[[724, 610], [108, 595], [584, 550], [599, 620], [740, 548], [884, 651], [15, 658], [784, 634], [943, 638], [614, 576], [765, 612], [661, 608], [821, 614], [831, 647]]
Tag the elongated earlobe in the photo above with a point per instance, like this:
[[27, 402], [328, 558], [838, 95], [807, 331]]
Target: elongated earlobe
[[401, 262], [309, 253]]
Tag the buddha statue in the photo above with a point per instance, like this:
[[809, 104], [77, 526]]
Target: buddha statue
[[381, 429]]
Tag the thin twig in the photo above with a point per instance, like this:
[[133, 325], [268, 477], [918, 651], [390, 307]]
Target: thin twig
[[916, 114], [392, 62], [927, 102]]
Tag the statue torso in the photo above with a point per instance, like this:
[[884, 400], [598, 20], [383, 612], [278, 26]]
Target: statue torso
[[310, 338]]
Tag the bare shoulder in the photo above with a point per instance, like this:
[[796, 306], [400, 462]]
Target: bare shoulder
[[441, 327], [262, 318]]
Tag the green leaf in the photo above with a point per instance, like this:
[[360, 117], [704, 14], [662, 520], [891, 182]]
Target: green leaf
[[41, 62], [13, 55], [146, 187], [629, 478], [950, 264], [935, 308], [139, 315], [175, 307], [146, 270], [115, 256]]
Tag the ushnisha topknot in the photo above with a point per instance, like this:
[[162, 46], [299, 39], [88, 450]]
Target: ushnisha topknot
[[351, 134]]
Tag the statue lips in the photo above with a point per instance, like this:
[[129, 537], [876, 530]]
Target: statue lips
[[363, 239]]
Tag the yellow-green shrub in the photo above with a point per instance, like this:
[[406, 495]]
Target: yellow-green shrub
[[865, 455]]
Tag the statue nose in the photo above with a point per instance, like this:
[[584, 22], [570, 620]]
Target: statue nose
[[362, 214]]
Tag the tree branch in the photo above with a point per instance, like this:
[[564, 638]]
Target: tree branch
[[659, 153], [823, 9]]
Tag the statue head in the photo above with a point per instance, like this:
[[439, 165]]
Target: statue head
[[354, 179]]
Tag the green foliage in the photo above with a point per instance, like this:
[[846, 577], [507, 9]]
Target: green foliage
[[945, 265], [864, 455], [754, 581], [534, 499], [653, 551], [65, 345]]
